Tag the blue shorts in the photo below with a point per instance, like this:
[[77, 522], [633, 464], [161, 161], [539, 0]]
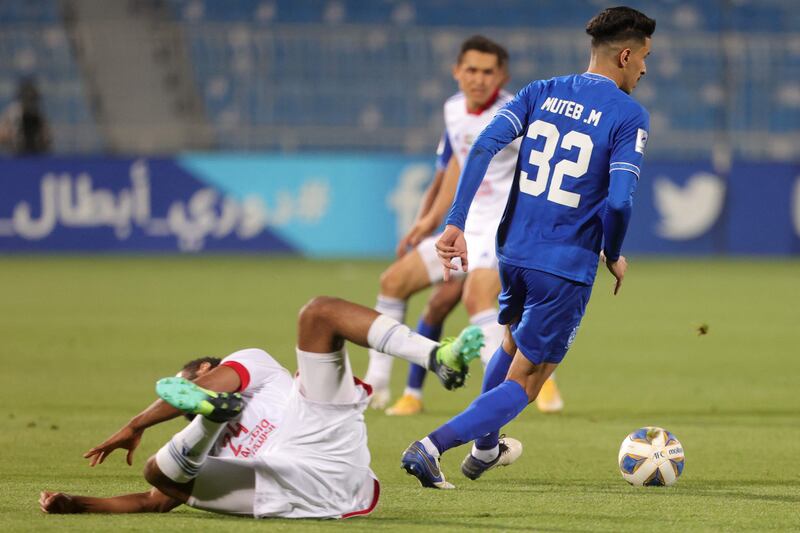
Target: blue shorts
[[543, 311]]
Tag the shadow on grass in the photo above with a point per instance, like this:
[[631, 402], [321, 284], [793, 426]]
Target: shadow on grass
[[738, 489], [461, 520], [710, 416]]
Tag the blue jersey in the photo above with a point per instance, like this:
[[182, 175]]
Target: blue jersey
[[578, 130]]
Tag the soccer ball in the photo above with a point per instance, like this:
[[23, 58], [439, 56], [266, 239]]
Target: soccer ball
[[651, 456]]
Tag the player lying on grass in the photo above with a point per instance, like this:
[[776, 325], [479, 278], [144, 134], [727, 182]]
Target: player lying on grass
[[481, 71], [583, 141], [266, 445]]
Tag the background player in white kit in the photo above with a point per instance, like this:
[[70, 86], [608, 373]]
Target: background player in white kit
[[481, 71], [266, 445]]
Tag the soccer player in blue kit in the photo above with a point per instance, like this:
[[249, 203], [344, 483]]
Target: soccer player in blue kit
[[583, 139]]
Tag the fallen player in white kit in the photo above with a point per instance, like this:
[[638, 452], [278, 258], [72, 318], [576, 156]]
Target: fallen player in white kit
[[267, 445]]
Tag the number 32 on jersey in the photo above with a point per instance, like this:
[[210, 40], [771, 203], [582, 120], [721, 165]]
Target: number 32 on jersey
[[541, 160]]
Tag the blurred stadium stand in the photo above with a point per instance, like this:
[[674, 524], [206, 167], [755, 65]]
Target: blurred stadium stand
[[135, 58], [34, 43], [291, 75]]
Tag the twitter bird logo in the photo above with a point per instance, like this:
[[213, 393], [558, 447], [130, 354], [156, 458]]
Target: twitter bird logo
[[690, 211]]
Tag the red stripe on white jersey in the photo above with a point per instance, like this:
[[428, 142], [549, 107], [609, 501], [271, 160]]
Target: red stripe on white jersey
[[376, 493], [244, 374]]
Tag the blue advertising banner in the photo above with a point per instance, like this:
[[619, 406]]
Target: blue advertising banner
[[688, 208], [347, 205], [315, 205]]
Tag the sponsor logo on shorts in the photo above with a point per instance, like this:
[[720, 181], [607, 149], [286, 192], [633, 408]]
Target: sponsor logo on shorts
[[572, 335]]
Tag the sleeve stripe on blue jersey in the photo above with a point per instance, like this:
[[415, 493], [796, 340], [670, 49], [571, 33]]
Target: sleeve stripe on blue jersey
[[624, 166], [511, 117], [516, 129], [514, 119], [631, 165]]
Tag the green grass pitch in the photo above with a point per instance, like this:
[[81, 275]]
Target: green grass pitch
[[83, 341]]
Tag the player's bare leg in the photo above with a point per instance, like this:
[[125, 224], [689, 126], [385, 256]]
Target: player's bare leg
[[443, 299], [480, 299], [493, 450], [404, 278], [530, 376], [325, 323], [180, 491], [503, 403]]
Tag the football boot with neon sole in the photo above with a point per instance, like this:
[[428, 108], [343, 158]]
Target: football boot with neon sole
[[510, 450], [407, 405], [450, 360], [184, 395], [425, 467], [549, 399]]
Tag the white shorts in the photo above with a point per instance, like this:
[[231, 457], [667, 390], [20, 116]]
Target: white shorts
[[480, 247], [225, 485], [316, 465]]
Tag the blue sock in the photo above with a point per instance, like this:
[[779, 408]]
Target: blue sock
[[495, 374], [416, 373], [489, 412]]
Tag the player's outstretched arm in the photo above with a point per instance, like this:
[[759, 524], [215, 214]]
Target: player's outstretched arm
[[430, 193], [152, 501], [427, 201], [221, 379], [502, 130], [440, 203], [625, 162]]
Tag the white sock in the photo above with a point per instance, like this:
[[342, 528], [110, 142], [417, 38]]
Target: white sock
[[181, 458], [429, 447], [391, 337], [487, 456], [379, 370], [493, 333], [416, 393]]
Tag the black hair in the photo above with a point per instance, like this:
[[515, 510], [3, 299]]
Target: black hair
[[617, 24], [192, 366], [485, 45]]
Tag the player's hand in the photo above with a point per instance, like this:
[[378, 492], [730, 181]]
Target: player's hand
[[402, 246], [421, 229], [58, 503], [617, 269], [450, 245], [126, 438]]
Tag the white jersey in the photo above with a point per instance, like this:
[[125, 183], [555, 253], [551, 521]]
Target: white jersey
[[265, 388], [310, 459], [462, 128]]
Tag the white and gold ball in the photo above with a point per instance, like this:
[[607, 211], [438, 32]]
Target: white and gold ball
[[651, 456]]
